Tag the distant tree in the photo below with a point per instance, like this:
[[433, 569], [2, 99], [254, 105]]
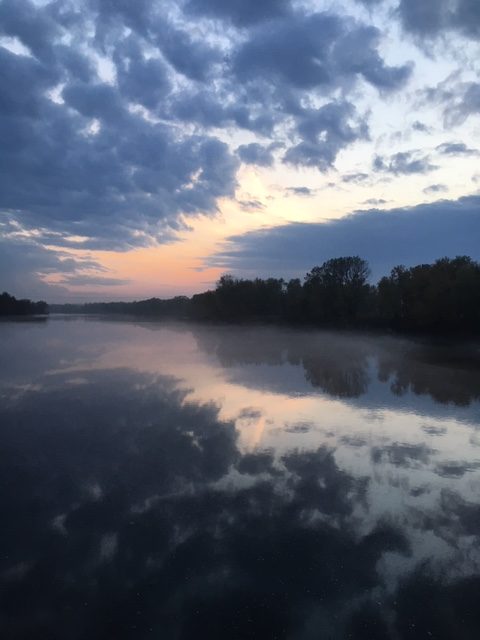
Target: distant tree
[[239, 299], [346, 271], [294, 301], [443, 296], [10, 306], [203, 306], [336, 291]]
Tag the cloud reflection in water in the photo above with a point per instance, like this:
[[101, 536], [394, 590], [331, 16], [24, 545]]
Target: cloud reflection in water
[[132, 509]]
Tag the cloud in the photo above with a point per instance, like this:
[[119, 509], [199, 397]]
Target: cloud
[[141, 489], [300, 191], [455, 468], [316, 50], [456, 149], [433, 17], [356, 178], [24, 265], [279, 63], [402, 455], [141, 80], [466, 104], [421, 127], [202, 107], [109, 115], [255, 153], [374, 202], [111, 158], [436, 188], [193, 58], [460, 100], [385, 238], [404, 163], [251, 205], [241, 13], [98, 281], [84, 164], [27, 266], [324, 133], [36, 29]]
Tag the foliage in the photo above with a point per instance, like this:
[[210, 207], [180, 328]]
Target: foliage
[[336, 291], [175, 307], [10, 306], [440, 296]]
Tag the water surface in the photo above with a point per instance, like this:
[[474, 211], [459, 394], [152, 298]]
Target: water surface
[[186, 481]]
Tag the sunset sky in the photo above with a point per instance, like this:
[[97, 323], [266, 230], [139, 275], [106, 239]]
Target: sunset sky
[[149, 146]]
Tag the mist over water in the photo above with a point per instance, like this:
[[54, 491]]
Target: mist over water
[[192, 481]]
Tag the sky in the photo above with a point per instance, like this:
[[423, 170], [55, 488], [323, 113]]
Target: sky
[[148, 147]]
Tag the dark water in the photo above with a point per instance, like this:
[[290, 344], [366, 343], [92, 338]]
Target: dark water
[[181, 481]]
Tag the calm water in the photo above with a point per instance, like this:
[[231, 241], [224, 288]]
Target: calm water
[[182, 481]]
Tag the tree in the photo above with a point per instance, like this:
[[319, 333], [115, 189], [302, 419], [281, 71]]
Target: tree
[[336, 290]]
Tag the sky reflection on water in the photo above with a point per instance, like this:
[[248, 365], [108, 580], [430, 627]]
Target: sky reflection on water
[[182, 481]]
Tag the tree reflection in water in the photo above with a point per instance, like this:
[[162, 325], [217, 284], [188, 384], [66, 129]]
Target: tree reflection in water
[[343, 365]]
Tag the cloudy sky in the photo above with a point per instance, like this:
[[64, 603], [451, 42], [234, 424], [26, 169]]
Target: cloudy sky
[[149, 146]]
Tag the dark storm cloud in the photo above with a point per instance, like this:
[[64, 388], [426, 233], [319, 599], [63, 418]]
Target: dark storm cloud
[[81, 160], [384, 238], [202, 107], [432, 17], [324, 133], [428, 16], [189, 56], [117, 186], [279, 63], [192, 58], [242, 13], [143, 81], [35, 28], [89, 166], [255, 153], [318, 50], [404, 163]]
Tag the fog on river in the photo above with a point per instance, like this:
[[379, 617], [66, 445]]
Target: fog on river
[[195, 481]]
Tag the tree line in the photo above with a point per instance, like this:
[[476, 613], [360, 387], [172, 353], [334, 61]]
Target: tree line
[[10, 306], [439, 297], [443, 296], [177, 307]]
